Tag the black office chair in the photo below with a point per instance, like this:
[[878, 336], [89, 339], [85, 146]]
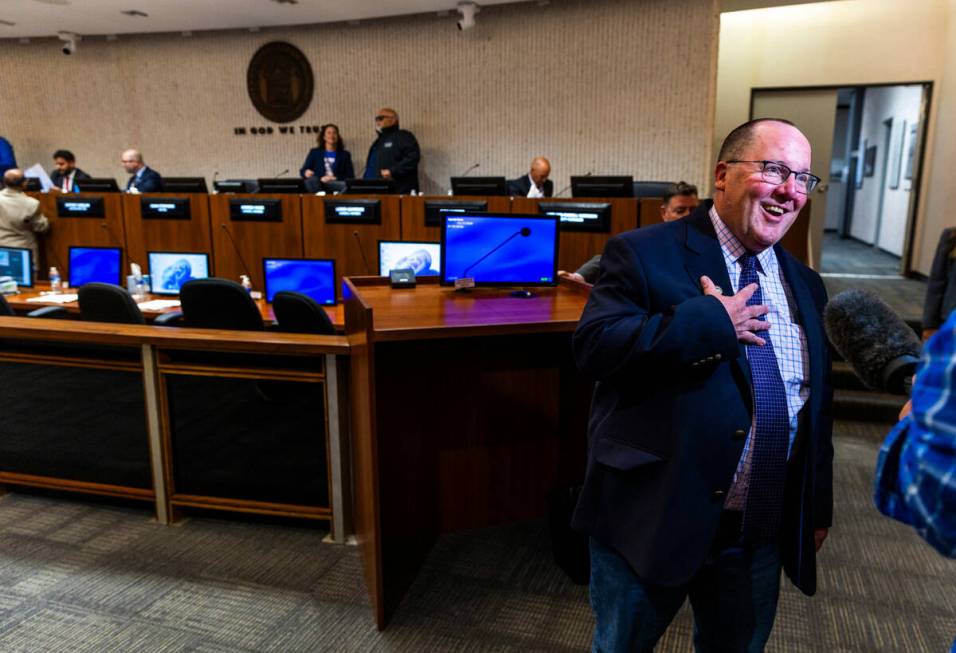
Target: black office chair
[[651, 188], [106, 302], [299, 313], [219, 304], [50, 312]]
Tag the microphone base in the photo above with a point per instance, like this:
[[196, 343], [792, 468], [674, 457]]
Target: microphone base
[[522, 294], [464, 283]]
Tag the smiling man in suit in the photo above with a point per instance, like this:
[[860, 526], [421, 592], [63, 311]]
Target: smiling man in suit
[[710, 454]]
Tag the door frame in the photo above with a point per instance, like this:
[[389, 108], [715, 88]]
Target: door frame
[[915, 198]]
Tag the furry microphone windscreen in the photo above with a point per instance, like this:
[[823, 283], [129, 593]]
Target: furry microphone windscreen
[[869, 335]]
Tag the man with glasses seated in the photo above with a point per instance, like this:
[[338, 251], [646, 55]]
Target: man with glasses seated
[[709, 444], [395, 153]]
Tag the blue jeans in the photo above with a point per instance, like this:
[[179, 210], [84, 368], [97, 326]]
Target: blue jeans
[[734, 598]]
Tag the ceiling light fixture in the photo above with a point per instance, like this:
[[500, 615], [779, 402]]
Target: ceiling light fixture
[[136, 13]]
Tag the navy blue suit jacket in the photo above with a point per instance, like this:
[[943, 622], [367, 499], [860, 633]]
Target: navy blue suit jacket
[[149, 182], [672, 405], [315, 161]]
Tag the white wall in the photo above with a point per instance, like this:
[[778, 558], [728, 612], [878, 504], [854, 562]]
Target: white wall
[[902, 105], [847, 43], [612, 86]]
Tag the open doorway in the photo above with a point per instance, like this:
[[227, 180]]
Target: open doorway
[[872, 137]]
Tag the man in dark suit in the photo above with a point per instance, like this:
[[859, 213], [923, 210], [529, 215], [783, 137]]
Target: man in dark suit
[[395, 153], [65, 173], [144, 179], [535, 183], [710, 455]]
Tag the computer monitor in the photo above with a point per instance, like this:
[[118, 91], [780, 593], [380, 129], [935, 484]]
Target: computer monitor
[[422, 257], [290, 185], [314, 277], [479, 186], [168, 271], [17, 262], [103, 264], [96, 185], [369, 187], [236, 186], [185, 185], [499, 249], [608, 186]]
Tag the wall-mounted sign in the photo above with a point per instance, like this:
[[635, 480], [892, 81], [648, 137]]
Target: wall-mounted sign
[[280, 81]]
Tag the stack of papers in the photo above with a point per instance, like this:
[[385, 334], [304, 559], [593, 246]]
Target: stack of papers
[[158, 304], [54, 299]]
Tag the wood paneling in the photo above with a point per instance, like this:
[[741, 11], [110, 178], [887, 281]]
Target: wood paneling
[[250, 242], [413, 213], [108, 231], [159, 235], [576, 247]]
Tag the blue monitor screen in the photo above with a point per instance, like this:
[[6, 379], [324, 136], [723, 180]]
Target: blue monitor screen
[[499, 249], [17, 262], [168, 271], [312, 277], [100, 264], [423, 258]]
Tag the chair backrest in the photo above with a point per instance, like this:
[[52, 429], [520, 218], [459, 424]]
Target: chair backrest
[[219, 304], [5, 307], [299, 313], [105, 302], [651, 188]]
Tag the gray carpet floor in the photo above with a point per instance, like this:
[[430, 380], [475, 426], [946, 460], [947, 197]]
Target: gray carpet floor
[[87, 577], [848, 255]]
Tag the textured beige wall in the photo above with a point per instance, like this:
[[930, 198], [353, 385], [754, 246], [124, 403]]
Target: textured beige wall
[[846, 43], [613, 86]]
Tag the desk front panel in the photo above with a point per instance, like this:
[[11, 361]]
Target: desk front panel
[[106, 231], [413, 213], [167, 235]]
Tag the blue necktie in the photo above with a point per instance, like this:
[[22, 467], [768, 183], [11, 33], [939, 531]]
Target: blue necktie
[[771, 432]]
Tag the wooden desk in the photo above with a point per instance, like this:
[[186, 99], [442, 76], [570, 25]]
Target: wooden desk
[[19, 303], [162, 234], [413, 213], [239, 246], [577, 247], [338, 240], [466, 409]]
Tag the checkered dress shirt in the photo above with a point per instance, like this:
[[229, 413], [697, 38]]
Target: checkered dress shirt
[[789, 344]]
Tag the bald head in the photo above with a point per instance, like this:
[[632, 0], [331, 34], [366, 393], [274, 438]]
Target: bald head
[[132, 161], [386, 117], [540, 170], [13, 177]]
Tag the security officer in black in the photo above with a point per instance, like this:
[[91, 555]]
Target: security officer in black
[[395, 153]]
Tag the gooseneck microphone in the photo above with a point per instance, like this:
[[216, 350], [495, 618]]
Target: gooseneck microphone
[[563, 190], [235, 247], [469, 170], [281, 173], [882, 349], [358, 239], [523, 232]]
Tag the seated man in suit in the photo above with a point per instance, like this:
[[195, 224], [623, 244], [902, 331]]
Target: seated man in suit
[[65, 174], [144, 179], [679, 200], [535, 183]]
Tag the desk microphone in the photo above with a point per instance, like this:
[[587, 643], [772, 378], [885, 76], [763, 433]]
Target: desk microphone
[[215, 176], [358, 239], [560, 192], [235, 247], [524, 232], [281, 173], [469, 170]]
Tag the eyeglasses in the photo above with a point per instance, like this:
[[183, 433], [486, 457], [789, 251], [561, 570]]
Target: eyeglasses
[[381, 118], [777, 173]]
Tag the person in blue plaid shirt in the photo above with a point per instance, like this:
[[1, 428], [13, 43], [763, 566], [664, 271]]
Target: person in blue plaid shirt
[[916, 471]]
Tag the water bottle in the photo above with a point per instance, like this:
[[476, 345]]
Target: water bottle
[[54, 280], [246, 283], [140, 287]]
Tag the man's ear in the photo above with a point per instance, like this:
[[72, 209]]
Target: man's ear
[[720, 176]]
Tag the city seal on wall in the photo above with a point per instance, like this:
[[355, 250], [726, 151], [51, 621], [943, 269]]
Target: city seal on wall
[[280, 81]]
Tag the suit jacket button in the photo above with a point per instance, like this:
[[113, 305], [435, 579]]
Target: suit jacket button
[[717, 356], [740, 434], [717, 495]]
